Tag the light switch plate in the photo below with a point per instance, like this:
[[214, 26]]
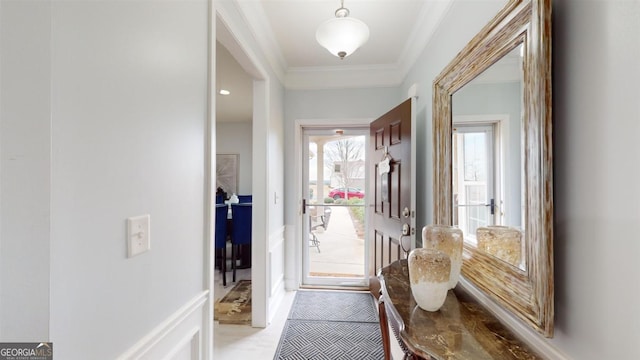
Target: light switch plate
[[138, 235]]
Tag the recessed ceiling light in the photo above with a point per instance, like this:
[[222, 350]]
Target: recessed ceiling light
[[224, 92]]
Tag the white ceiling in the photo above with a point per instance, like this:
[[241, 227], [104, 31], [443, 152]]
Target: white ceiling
[[237, 106], [285, 30], [294, 25]]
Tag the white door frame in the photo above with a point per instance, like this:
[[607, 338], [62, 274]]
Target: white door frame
[[502, 150], [296, 262], [307, 280], [238, 46]]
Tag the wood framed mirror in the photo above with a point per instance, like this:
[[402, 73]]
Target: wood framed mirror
[[520, 34]]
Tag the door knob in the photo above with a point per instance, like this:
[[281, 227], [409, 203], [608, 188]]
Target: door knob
[[405, 229]]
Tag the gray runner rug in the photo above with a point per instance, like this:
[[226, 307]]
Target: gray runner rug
[[331, 325]]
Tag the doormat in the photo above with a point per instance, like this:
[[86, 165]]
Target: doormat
[[331, 325], [330, 340], [334, 306], [235, 307]]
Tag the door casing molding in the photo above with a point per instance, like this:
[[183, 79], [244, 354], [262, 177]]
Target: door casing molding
[[295, 263]]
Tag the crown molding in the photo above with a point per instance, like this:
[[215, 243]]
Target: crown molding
[[256, 20], [432, 14], [335, 77], [332, 77]]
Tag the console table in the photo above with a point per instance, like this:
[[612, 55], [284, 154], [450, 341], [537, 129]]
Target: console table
[[461, 329]]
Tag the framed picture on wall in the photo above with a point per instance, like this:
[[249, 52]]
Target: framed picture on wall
[[227, 172]]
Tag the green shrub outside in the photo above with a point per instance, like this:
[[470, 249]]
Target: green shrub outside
[[358, 211], [328, 200]]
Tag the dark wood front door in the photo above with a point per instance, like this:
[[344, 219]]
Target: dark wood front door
[[393, 201]]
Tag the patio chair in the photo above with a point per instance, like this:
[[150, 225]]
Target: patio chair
[[321, 221]]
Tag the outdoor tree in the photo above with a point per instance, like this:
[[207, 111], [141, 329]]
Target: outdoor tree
[[344, 159]]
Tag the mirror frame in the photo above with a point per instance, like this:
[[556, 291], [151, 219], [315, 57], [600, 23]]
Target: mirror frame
[[528, 294]]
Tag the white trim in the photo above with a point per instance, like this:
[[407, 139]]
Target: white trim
[[279, 285], [260, 187], [502, 152], [277, 291], [333, 77], [292, 261], [340, 77], [166, 328], [209, 181], [432, 14], [193, 339], [256, 18], [260, 155], [414, 170], [277, 240], [537, 342], [298, 231]]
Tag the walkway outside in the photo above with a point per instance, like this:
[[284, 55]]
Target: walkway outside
[[341, 250]]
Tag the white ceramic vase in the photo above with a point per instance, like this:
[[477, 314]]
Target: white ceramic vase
[[448, 239], [429, 272]]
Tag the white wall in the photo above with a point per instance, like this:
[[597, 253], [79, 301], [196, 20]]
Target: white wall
[[25, 141], [104, 108], [128, 114], [463, 20], [596, 127], [596, 112], [236, 138]]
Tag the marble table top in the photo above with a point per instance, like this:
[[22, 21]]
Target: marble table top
[[461, 329]]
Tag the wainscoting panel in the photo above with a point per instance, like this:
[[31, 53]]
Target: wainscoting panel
[[276, 270], [292, 259], [179, 337]]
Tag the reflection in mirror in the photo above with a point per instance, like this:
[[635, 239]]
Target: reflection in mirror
[[487, 160], [516, 139]]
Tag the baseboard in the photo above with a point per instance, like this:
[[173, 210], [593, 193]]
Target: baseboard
[[537, 342], [177, 337]]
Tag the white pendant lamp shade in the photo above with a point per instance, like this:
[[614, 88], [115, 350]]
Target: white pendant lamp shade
[[342, 35]]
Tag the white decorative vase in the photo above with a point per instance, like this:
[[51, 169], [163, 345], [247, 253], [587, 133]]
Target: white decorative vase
[[448, 239], [429, 272], [503, 242]]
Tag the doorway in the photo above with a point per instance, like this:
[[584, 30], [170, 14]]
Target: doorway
[[475, 179], [334, 206], [259, 163]]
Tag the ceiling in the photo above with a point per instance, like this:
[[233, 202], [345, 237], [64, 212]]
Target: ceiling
[[294, 24], [285, 30], [237, 106]]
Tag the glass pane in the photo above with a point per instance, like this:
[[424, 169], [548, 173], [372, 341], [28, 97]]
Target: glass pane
[[471, 182], [475, 157], [335, 216]]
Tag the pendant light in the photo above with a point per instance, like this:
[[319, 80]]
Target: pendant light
[[342, 35]]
